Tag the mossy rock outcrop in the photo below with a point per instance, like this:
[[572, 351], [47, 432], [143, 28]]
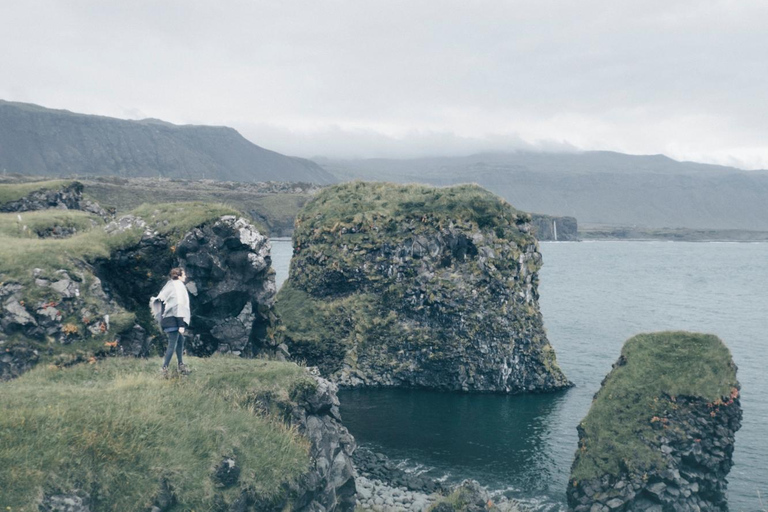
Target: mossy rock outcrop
[[416, 286], [660, 433], [73, 288]]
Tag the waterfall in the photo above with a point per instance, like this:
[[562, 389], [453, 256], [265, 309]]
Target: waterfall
[[554, 228]]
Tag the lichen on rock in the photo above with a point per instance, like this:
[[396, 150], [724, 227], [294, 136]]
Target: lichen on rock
[[660, 433], [416, 286]]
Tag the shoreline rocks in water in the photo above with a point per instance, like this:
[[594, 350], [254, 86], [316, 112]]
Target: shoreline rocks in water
[[416, 286], [660, 433]]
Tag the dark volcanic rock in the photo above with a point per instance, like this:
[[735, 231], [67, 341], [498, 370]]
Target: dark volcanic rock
[[418, 286], [233, 287], [665, 452], [330, 483]]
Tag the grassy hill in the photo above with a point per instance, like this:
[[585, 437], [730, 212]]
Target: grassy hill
[[118, 432]]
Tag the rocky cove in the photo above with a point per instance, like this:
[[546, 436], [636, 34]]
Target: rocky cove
[[208, 342]]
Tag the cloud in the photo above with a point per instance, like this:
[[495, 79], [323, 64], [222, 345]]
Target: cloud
[[394, 77]]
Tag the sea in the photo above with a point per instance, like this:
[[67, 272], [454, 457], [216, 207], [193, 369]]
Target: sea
[[593, 296]]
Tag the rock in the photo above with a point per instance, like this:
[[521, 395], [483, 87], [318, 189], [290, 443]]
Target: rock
[[76, 502], [230, 276], [682, 424], [437, 292], [561, 229], [227, 473]]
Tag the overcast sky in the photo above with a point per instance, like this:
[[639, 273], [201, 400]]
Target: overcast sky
[[389, 78]]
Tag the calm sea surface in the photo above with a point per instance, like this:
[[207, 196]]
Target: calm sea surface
[[594, 296]]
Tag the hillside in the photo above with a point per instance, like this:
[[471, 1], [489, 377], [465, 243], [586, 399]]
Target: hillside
[[38, 141], [594, 187]]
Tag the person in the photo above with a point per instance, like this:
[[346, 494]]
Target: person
[[171, 309]]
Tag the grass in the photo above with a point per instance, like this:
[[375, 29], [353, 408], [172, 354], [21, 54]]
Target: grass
[[366, 203], [176, 219], [116, 430], [659, 367], [14, 191], [36, 222]]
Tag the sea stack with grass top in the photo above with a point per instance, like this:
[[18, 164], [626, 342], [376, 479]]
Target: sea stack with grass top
[[417, 286], [660, 433]]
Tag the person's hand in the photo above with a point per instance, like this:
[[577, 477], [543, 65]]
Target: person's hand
[[181, 330]]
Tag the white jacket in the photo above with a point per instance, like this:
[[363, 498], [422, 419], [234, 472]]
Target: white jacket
[[176, 299]]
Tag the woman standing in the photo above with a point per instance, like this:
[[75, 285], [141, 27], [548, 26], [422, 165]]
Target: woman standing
[[173, 307]]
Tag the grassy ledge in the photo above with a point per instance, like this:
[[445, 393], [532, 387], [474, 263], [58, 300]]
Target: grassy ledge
[[658, 368], [364, 203], [116, 430], [176, 219], [14, 191]]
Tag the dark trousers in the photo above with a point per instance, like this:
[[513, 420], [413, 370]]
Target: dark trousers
[[175, 343]]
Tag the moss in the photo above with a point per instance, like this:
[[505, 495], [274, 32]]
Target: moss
[[10, 192], [382, 206], [654, 369], [115, 430]]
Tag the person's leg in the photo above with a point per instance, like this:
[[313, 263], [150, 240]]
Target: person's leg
[[173, 338], [180, 349]]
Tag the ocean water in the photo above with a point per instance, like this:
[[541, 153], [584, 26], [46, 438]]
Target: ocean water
[[593, 296]]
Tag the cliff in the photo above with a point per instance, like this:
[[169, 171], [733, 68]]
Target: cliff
[[38, 141], [235, 435], [556, 229], [417, 286], [660, 432]]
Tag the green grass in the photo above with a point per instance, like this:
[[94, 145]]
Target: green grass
[[35, 222], [14, 191], [115, 429], [176, 219], [368, 203], [659, 367]]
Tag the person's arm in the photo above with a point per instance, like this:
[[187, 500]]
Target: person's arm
[[166, 292]]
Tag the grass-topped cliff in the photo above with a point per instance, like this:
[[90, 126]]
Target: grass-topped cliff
[[411, 285], [661, 430], [117, 431], [654, 370], [53, 301]]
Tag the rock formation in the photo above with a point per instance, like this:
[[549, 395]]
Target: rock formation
[[559, 229], [97, 306], [418, 286], [67, 196], [660, 433]]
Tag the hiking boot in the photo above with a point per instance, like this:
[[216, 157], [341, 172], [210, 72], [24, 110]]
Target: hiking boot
[[183, 369], [164, 372]]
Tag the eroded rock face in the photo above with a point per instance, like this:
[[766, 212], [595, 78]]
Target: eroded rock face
[[330, 482], [691, 443], [423, 299], [232, 285]]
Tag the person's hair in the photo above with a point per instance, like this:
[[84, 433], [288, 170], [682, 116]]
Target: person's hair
[[176, 273]]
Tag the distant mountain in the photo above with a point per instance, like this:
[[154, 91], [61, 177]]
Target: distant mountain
[[39, 141], [598, 188]]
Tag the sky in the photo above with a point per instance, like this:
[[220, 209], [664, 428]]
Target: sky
[[397, 79]]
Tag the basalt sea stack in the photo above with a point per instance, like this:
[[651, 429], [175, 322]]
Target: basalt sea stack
[[416, 286], [660, 433]]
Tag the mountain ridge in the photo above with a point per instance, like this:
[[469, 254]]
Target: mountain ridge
[[35, 140]]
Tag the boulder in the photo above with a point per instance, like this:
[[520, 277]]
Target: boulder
[[415, 286], [660, 432]]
